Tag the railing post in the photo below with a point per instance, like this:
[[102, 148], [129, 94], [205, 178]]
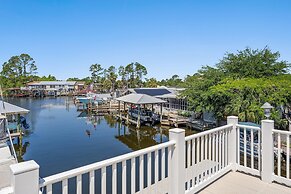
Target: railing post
[[232, 142], [177, 168], [25, 177], [267, 151]]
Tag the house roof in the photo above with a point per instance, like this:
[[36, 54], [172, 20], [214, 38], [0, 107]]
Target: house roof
[[11, 109], [52, 83], [140, 99], [80, 83]]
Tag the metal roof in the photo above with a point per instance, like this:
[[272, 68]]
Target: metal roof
[[152, 91], [11, 109], [140, 99], [52, 83]]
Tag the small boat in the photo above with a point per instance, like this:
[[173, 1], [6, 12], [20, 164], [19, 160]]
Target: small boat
[[146, 116], [90, 98]]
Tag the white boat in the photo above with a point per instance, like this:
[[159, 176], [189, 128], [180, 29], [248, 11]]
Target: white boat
[[94, 98]]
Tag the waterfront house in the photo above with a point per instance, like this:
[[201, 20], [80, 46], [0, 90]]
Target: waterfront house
[[66, 86], [79, 86]]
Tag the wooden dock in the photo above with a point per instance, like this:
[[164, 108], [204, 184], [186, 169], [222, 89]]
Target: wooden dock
[[126, 119], [174, 120]]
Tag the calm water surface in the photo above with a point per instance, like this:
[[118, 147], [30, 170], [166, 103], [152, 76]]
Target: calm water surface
[[61, 138]]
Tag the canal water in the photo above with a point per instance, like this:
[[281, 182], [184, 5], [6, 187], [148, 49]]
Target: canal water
[[61, 138]]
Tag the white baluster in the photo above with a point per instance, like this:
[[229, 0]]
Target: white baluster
[[65, 186], [220, 149], [114, 177], [209, 147], [79, 184], [92, 182], [141, 175], [279, 155], [206, 147], [49, 189], [288, 157], [193, 151], [213, 148], [245, 147], [223, 149], [103, 180], [133, 175], [259, 150], [188, 154], [202, 148], [163, 164], [238, 145], [123, 177], [149, 174], [198, 149], [216, 150], [252, 149], [156, 166]]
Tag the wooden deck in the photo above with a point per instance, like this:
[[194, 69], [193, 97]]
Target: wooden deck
[[240, 183]]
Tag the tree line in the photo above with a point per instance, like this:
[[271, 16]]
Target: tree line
[[21, 69], [240, 84], [237, 85]]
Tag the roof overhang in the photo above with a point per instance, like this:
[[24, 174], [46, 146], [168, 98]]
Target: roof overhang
[[11, 109], [140, 99]]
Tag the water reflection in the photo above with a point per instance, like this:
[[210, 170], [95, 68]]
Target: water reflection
[[61, 138]]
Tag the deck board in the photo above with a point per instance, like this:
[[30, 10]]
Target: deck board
[[240, 183]]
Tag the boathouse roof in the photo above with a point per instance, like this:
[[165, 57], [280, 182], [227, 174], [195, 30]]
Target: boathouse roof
[[160, 92], [140, 99], [11, 109]]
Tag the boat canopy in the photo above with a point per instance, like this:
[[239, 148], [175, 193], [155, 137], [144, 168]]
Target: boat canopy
[[10, 109], [140, 99]]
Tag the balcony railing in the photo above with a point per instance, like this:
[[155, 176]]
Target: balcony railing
[[182, 165]]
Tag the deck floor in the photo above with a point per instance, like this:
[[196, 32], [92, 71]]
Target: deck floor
[[239, 183]]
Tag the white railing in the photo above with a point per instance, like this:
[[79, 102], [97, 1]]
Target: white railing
[[147, 163], [206, 157], [282, 156], [248, 149], [182, 165]]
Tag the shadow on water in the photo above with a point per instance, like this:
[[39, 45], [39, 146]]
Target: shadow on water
[[61, 138]]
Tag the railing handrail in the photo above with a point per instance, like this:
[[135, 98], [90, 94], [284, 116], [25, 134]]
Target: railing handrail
[[248, 127], [207, 132], [85, 169], [10, 139], [282, 132]]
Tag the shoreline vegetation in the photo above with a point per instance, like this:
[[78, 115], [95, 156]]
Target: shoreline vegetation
[[237, 85]]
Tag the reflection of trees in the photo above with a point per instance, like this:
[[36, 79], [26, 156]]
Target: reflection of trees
[[20, 150], [110, 121], [141, 138]]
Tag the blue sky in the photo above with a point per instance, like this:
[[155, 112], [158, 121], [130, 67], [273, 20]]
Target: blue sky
[[169, 37]]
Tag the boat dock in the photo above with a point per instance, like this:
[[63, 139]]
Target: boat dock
[[174, 120], [126, 119]]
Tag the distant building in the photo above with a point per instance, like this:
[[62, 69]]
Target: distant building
[[79, 86], [171, 95], [65, 86]]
